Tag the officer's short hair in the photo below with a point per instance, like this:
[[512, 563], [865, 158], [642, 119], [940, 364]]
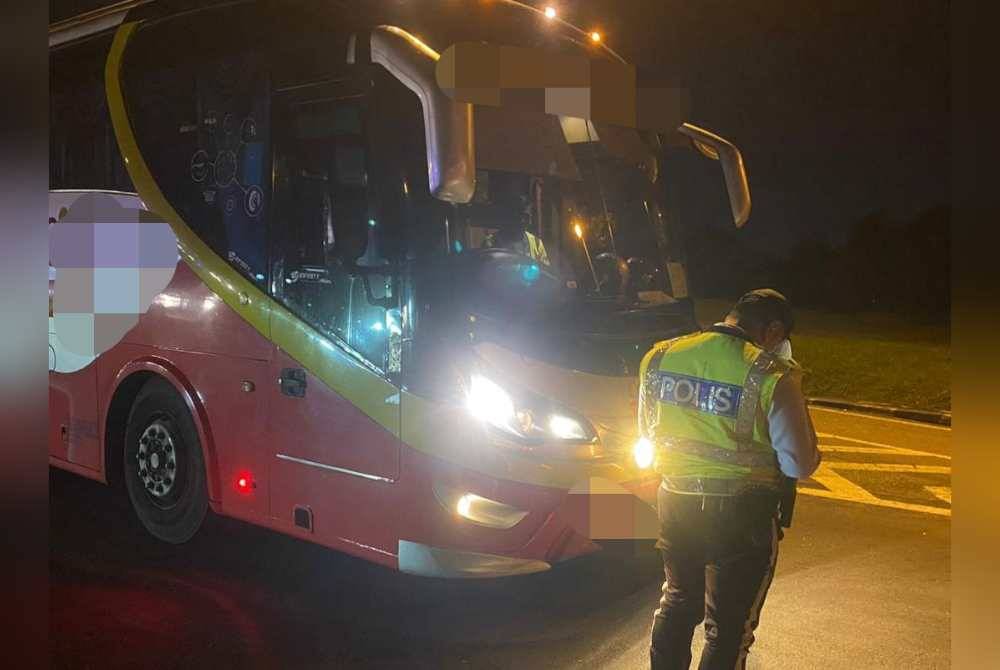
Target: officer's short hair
[[760, 307]]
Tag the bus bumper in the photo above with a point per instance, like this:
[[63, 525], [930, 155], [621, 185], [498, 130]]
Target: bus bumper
[[426, 561], [571, 530]]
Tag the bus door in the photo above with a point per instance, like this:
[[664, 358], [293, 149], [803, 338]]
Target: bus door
[[335, 416]]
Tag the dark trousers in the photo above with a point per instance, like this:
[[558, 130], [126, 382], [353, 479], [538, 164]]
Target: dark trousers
[[719, 555]]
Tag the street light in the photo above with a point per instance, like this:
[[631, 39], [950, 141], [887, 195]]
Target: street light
[[551, 13], [595, 37]]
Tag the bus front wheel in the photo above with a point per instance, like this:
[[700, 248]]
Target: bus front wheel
[[163, 464]]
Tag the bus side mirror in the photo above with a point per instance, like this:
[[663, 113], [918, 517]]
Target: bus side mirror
[[717, 148], [451, 163]]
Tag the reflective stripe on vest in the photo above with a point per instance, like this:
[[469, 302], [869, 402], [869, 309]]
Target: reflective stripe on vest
[[711, 452], [746, 416]]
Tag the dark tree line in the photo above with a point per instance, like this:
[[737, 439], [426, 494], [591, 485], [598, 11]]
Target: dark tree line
[[885, 265]]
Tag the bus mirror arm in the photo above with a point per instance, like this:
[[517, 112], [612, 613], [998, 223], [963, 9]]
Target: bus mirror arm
[[448, 125], [720, 149]]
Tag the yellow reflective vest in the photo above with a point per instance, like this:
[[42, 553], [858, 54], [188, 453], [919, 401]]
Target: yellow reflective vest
[[703, 402]]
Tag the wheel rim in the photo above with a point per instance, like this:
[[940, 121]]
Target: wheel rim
[[157, 464]]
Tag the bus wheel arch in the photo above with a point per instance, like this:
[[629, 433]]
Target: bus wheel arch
[[128, 384]]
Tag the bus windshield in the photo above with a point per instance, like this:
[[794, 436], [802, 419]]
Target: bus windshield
[[563, 252], [566, 227], [579, 201]]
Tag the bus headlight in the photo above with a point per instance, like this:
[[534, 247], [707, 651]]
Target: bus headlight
[[526, 416], [566, 428], [490, 403], [643, 453]]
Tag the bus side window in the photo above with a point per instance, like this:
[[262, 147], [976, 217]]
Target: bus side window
[[203, 130], [322, 216], [83, 151]]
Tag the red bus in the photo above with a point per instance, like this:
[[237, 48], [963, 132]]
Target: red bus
[[399, 326]]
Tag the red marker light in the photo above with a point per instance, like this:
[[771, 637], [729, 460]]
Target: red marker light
[[245, 483]]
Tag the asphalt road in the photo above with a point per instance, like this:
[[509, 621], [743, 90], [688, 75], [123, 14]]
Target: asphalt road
[[862, 582]]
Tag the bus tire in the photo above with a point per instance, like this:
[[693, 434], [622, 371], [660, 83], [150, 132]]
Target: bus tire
[[163, 468]]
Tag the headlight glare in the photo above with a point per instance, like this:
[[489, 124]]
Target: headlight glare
[[488, 402], [643, 453], [526, 416], [566, 428]]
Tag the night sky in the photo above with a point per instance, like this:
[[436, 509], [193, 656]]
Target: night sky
[[840, 107]]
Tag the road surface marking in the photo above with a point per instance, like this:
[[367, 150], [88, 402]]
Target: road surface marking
[[875, 417], [893, 467], [942, 492], [878, 502], [838, 487], [877, 450], [883, 446]]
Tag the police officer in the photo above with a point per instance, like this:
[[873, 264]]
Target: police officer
[[725, 411]]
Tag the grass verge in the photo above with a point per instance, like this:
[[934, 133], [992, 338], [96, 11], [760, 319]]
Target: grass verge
[[878, 358]]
